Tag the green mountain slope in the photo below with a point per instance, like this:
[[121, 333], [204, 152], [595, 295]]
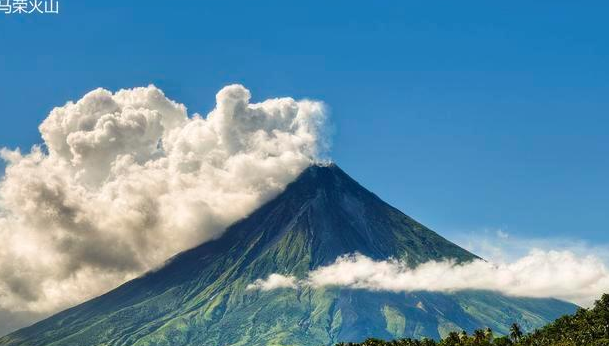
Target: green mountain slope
[[587, 327], [199, 297]]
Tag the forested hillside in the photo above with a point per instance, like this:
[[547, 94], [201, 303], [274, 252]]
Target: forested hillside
[[587, 327]]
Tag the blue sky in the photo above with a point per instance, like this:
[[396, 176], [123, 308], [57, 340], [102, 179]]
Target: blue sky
[[468, 118]]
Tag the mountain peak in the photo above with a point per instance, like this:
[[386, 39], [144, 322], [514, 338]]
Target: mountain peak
[[323, 175], [200, 297], [322, 169], [340, 216]]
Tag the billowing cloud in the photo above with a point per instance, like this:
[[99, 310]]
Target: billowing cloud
[[558, 274], [125, 180], [272, 282]]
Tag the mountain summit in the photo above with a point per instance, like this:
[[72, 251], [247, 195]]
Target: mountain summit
[[199, 297]]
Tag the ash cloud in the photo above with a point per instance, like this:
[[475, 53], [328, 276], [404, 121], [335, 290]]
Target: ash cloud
[[125, 180]]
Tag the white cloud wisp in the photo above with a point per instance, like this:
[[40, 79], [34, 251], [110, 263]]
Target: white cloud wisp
[[125, 180], [273, 281], [540, 274]]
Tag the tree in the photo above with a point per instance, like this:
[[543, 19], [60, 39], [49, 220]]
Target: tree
[[489, 334], [479, 337], [452, 339], [515, 332], [502, 341]]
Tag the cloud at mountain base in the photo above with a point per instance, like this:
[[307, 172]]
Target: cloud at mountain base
[[125, 180], [540, 274], [273, 281]]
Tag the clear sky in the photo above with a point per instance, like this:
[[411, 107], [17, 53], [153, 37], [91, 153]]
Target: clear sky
[[467, 117]]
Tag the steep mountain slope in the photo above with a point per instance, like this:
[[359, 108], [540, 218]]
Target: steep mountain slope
[[199, 297]]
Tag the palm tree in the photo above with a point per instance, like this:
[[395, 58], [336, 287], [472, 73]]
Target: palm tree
[[479, 336], [452, 339], [489, 334], [515, 332]]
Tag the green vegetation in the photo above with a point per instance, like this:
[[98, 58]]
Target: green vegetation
[[587, 327]]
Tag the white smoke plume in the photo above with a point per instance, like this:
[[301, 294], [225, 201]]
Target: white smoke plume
[[558, 274], [125, 180]]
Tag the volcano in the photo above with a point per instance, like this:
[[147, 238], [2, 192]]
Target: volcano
[[199, 297]]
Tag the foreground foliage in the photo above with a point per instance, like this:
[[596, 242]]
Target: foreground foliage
[[587, 327]]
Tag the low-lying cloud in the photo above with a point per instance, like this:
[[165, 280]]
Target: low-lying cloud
[[125, 180], [558, 274], [273, 281]]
